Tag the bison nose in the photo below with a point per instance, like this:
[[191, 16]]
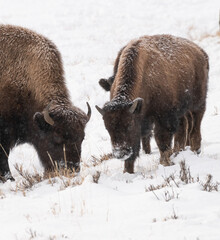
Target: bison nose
[[117, 153], [122, 153]]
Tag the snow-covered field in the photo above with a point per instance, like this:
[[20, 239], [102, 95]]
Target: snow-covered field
[[89, 34]]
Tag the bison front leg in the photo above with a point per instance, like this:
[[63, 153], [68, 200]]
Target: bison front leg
[[5, 173], [146, 144], [129, 166], [180, 137], [163, 139]]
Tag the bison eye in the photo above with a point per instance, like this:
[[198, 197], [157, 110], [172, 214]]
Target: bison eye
[[57, 138]]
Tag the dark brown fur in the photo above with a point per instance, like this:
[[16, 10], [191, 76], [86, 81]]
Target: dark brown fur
[[31, 78], [167, 78]]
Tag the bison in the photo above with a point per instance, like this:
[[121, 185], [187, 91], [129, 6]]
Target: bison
[[35, 105], [159, 82]]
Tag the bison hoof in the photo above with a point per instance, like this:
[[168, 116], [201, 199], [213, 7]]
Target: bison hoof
[[198, 151], [148, 151], [7, 176], [166, 162], [128, 171], [165, 158]]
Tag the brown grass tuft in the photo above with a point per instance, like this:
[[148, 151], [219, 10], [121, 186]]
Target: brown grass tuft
[[98, 160], [209, 185], [66, 175], [185, 174]]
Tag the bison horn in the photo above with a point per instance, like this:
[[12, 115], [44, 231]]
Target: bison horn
[[136, 104], [47, 117], [100, 110], [89, 111]]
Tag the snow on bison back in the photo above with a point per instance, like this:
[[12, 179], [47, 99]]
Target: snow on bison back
[[35, 105]]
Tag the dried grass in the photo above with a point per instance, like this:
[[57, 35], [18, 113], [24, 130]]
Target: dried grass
[[65, 175], [170, 194], [96, 161], [185, 174], [209, 185], [68, 177], [172, 216], [169, 182]]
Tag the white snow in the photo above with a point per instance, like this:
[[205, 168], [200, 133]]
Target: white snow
[[89, 35]]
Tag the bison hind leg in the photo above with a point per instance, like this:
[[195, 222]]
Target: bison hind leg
[[182, 135], [146, 134], [195, 136], [146, 144], [163, 139]]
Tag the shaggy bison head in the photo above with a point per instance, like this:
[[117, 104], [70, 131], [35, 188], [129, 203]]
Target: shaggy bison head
[[59, 135], [122, 120]]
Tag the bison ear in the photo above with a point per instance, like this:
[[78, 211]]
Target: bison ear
[[136, 105], [106, 83], [40, 121]]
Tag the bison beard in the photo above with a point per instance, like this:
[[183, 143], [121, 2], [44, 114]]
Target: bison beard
[[159, 82], [35, 103]]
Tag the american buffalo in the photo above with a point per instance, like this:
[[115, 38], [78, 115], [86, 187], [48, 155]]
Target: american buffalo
[[159, 82], [35, 105]]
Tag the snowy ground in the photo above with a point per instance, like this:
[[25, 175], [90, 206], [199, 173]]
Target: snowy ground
[[89, 34]]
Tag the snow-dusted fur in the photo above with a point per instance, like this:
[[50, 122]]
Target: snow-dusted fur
[[32, 80], [160, 80]]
